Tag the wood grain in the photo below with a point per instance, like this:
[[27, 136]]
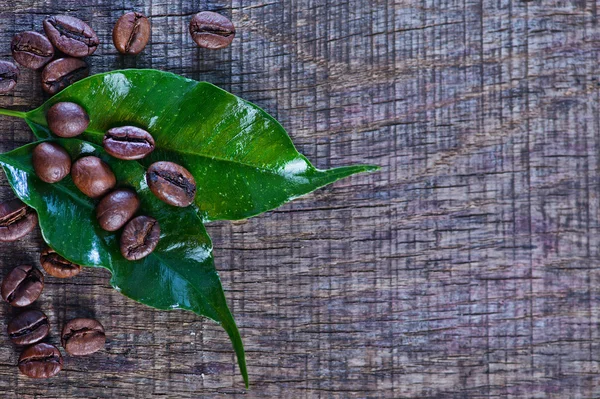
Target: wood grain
[[467, 268]]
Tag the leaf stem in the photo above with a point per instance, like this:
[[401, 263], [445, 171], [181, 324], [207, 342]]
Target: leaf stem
[[9, 112]]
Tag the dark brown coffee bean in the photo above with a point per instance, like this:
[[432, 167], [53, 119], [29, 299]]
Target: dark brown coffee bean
[[31, 49], [63, 72], [28, 327], [128, 142], [57, 266], [51, 162], [116, 209], [171, 183], [71, 35], [83, 336], [67, 119], [16, 220], [131, 33], [93, 176], [140, 237], [211, 30], [22, 286], [9, 75], [40, 361]]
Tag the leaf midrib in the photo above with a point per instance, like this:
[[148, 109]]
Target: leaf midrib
[[163, 147]]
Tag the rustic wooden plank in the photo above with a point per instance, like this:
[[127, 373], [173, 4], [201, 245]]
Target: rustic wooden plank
[[467, 267]]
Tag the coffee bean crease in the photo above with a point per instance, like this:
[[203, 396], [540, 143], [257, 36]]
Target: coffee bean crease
[[14, 217], [178, 180], [28, 329], [72, 34], [30, 278], [135, 32], [144, 239], [31, 49], [68, 78]]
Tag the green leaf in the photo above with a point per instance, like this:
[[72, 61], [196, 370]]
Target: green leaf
[[179, 274], [242, 159]]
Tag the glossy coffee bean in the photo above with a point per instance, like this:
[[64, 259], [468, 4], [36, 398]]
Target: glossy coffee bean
[[140, 237], [63, 72], [211, 30], [28, 327], [16, 220], [83, 336], [57, 266], [116, 209], [31, 49], [131, 33], [71, 35], [51, 162], [66, 119], [171, 183], [9, 75], [40, 361], [128, 142], [92, 176], [22, 286]]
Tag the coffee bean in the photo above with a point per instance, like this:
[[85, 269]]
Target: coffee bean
[[171, 183], [83, 336], [28, 327], [93, 176], [116, 209], [51, 162], [40, 361], [63, 72], [31, 49], [140, 237], [128, 142], [57, 266], [16, 220], [131, 33], [9, 75], [211, 30], [67, 119], [71, 35], [22, 286]]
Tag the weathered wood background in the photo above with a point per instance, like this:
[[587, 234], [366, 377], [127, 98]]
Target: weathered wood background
[[466, 268]]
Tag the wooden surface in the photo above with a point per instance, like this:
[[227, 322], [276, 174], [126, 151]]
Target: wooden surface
[[466, 268]]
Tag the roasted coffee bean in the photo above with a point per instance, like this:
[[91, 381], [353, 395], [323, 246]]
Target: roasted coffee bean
[[171, 183], [51, 162], [211, 30], [22, 286], [128, 142], [116, 209], [28, 327], [57, 266], [40, 361], [131, 33], [71, 35], [16, 220], [67, 119], [9, 75], [93, 176], [31, 49], [63, 72], [140, 237], [83, 336]]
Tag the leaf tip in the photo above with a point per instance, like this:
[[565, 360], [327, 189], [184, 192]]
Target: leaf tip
[[371, 168]]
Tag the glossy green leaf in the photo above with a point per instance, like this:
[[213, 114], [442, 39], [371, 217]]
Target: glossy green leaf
[[243, 160], [179, 274]]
